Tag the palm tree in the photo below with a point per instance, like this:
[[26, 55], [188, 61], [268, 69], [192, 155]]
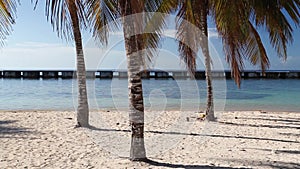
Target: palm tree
[[7, 18], [66, 17], [100, 13], [192, 39], [133, 41], [236, 23]]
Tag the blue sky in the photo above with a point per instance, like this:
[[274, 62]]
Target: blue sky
[[34, 45]]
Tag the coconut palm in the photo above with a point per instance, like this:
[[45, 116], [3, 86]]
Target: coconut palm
[[7, 18], [192, 39], [133, 41], [139, 34], [237, 23], [103, 18], [67, 17]]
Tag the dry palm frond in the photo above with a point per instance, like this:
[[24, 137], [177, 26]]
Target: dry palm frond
[[7, 18], [103, 18]]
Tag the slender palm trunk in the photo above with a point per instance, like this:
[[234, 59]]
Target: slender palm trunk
[[135, 91], [205, 50], [83, 108]]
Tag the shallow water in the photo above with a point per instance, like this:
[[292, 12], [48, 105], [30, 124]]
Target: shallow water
[[58, 94]]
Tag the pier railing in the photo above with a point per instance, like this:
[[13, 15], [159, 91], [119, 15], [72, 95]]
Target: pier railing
[[157, 74]]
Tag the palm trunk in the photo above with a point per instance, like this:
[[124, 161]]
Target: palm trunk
[[135, 91], [83, 108], [205, 50]]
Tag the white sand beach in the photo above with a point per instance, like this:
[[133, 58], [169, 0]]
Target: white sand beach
[[48, 139]]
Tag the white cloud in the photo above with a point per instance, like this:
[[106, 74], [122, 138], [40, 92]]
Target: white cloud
[[117, 33], [292, 63], [212, 33], [36, 55], [37, 45], [170, 32]]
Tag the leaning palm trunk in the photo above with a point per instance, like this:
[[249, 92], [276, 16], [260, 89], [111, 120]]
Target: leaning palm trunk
[[83, 108], [205, 50], [135, 92], [210, 102]]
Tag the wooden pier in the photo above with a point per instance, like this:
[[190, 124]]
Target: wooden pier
[[156, 74]]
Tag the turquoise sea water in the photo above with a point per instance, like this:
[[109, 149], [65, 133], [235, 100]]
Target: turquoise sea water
[[256, 94]]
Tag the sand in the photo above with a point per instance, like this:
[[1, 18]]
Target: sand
[[174, 139]]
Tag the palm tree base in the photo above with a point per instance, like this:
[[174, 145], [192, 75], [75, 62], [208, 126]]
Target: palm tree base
[[79, 125], [211, 117], [139, 159], [137, 150]]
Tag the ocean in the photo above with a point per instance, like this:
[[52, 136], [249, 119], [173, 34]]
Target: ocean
[[159, 94]]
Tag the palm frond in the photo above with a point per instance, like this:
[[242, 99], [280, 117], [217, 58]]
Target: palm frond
[[58, 14], [102, 17], [156, 14], [255, 50], [292, 8], [231, 18], [269, 14], [189, 34], [7, 18]]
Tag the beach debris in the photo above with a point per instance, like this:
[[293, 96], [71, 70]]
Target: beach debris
[[201, 116], [264, 112], [274, 151]]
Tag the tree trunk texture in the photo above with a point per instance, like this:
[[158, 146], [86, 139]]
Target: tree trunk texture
[[205, 50], [83, 107], [135, 90]]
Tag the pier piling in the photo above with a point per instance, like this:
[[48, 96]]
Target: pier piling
[[157, 74], [11, 74], [31, 74]]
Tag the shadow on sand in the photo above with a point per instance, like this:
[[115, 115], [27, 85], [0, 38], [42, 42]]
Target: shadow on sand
[[285, 121], [269, 164], [198, 135], [262, 125], [10, 132], [272, 164], [169, 165], [279, 151]]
